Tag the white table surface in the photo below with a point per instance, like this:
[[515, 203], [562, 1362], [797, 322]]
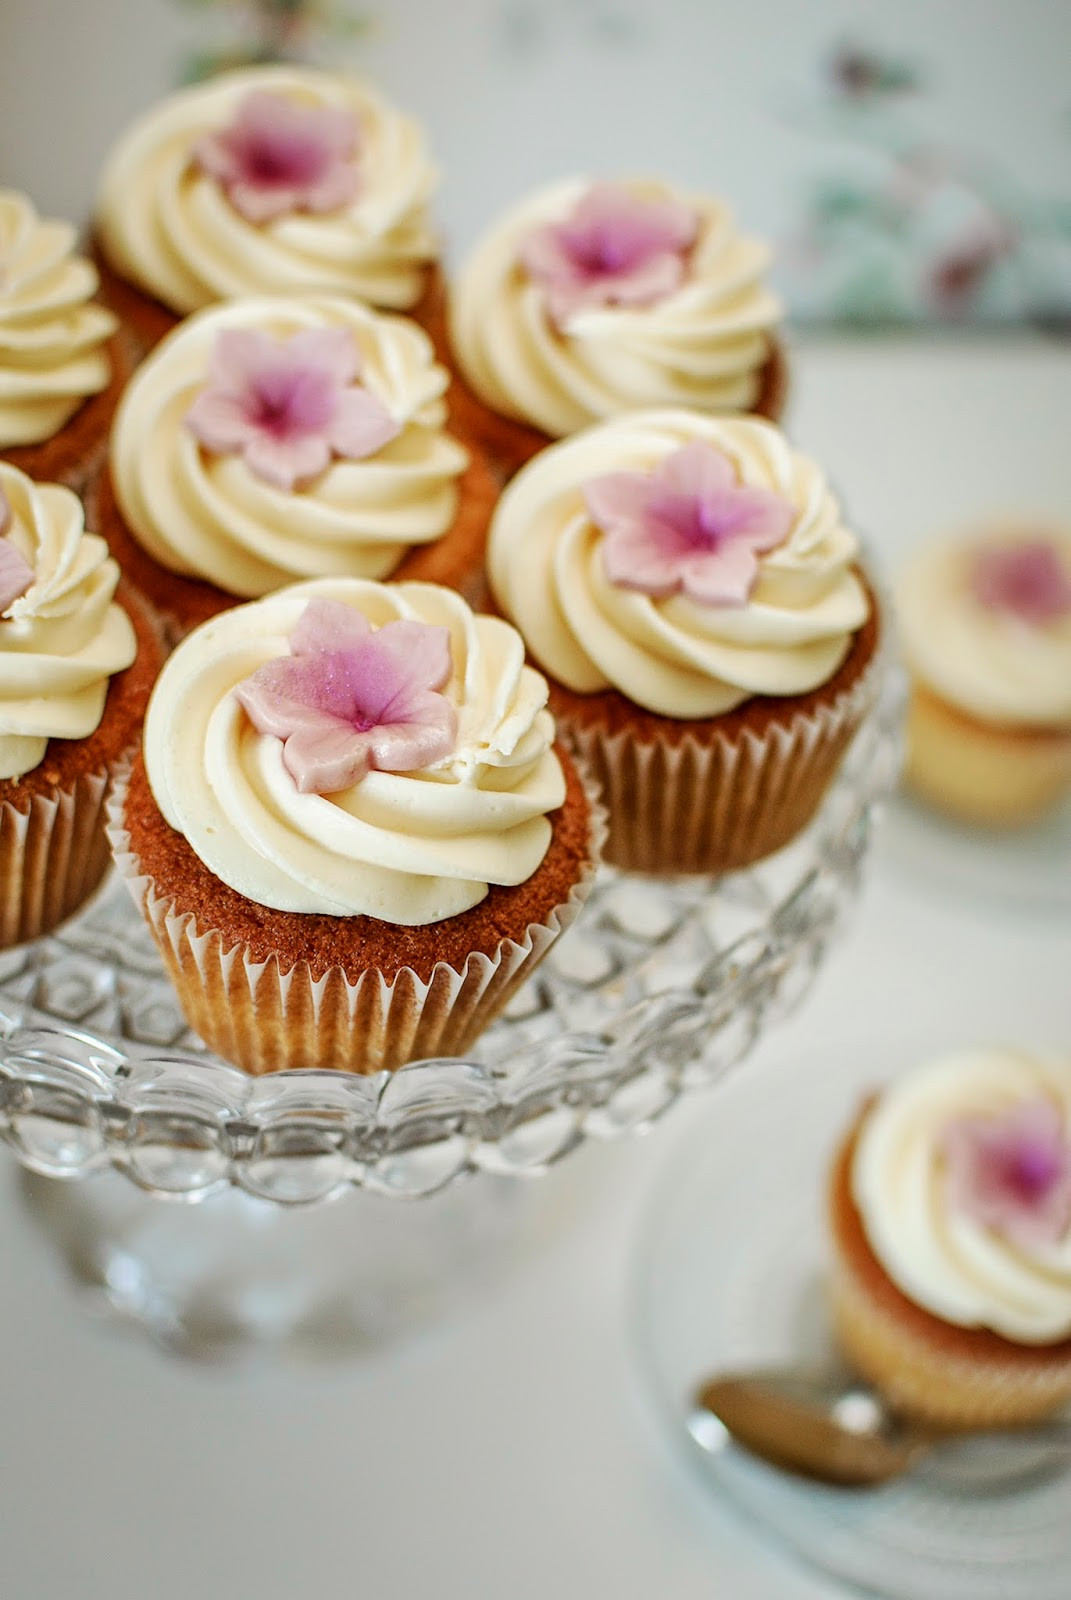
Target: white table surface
[[512, 1451]]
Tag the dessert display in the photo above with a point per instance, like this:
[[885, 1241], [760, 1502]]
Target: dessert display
[[591, 299], [62, 363], [950, 1210], [76, 666], [690, 588], [986, 625], [351, 831], [273, 439], [270, 180]]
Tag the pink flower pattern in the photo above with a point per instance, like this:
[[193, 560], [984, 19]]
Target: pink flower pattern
[[279, 157], [350, 698], [1012, 1172], [614, 249], [1027, 580], [288, 405], [689, 526]]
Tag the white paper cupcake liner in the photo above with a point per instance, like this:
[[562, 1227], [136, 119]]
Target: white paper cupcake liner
[[266, 1018], [724, 803], [52, 857]]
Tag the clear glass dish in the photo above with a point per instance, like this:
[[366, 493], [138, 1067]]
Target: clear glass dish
[[661, 987], [981, 1521]]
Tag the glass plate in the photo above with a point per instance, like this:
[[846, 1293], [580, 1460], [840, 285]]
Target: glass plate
[[729, 1275]]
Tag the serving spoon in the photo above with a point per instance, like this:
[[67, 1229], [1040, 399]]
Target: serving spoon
[[832, 1426]]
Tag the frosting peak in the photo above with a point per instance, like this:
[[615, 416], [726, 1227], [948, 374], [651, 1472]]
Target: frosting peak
[[53, 338]]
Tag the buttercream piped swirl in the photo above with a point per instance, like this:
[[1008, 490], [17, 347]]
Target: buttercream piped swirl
[[207, 515], [63, 638], [943, 1257], [409, 848], [702, 346], [674, 656], [167, 225], [53, 339]]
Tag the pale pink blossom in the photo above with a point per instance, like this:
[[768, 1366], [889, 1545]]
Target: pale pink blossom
[[279, 157], [614, 249], [1012, 1172], [288, 405], [1027, 580], [689, 526], [350, 698]]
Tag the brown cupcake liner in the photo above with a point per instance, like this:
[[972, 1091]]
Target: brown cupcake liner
[[53, 854], [716, 803], [267, 1018]]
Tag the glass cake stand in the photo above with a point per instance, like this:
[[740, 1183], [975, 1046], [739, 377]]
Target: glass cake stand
[[660, 988]]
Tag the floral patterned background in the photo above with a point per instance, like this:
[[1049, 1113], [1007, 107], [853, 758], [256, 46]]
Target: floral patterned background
[[911, 165]]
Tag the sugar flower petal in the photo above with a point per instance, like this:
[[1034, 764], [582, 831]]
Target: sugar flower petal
[[1012, 1172], [279, 157], [349, 698], [16, 574], [689, 526], [288, 405], [1027, 580], [615, 248]]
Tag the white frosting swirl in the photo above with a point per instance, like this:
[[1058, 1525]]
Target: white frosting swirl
[[62, 640], [702, 347], [990, 663], [168, 226], [409, 848], [942, 1259], [208, 516], [52, 338], [674, 656]]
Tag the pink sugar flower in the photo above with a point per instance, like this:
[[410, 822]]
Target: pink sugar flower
[[1012, 1172], [16, 574], [349, 698], [690, 525], [614, 249], [288, 405], [279, 157], [1027, 580]]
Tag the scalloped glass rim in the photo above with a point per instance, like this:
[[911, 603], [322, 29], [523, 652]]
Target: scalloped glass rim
[[665, 984]]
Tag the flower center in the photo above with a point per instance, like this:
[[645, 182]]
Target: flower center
[[1032, 1170], [289, 404], [285, 161]]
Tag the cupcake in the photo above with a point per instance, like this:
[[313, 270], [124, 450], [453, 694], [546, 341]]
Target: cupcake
[[270, 440], [950, 1208], [76, 667], [62, 363], [689, 587], [272, 180], [351, 833], [986, 626], [592, 299]]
